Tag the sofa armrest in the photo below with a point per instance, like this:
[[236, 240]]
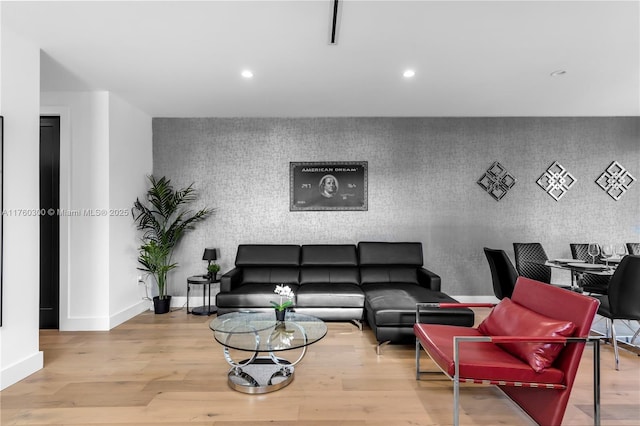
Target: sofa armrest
[[454, 305], [526, 339], [429, 279], [230, 280], [449, 305]]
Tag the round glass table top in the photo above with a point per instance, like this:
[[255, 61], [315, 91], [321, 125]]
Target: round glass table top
[[260, 332]]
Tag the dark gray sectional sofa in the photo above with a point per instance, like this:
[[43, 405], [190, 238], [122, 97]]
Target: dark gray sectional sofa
[[377, 281]]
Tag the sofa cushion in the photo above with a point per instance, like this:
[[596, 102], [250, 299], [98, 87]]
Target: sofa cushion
[[251, 296], [508, 318], [388, 274], [329, 275], [478, 360], [322, 295], [267, 255], [270, 276], [395, 305], [379, 253], [328, 255]]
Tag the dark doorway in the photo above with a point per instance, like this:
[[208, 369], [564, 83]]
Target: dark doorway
[[49, 223]]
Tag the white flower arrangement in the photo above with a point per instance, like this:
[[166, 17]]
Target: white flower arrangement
[[284, 291]]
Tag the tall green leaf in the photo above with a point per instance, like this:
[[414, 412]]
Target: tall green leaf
[[163, 220]]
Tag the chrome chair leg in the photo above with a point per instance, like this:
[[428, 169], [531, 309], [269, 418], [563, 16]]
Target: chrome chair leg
[[456, 383], [357, 323], [380, 345], [596, 382], [418, 359], [615, 345]]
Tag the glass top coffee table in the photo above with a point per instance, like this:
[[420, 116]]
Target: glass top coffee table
[[259, 332]]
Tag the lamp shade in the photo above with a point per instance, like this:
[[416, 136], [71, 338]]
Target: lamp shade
[[209, 254]]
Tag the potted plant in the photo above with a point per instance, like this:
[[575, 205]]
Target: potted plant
[[163, 220], [155, 259], [284, 292], [213, 269]]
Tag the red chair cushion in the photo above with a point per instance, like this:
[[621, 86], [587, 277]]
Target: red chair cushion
[[511, 319], [478, 360]]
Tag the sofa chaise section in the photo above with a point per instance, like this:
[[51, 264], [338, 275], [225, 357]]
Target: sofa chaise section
[[394, 280]]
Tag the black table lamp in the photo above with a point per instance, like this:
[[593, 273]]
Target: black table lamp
[[209, 255]]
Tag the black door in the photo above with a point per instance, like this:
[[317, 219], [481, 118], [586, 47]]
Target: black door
[[49, 223]]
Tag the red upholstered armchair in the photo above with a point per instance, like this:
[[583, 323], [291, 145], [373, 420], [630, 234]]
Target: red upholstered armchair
[[530, 346]]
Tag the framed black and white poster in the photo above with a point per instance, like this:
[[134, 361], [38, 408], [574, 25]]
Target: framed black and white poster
[[334, 185]]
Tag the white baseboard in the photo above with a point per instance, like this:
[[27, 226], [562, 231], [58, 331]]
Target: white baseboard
[[476, 299], [181, 302], [128, 313], [107, 323], [21, 369], [177, 302], [84, 324]]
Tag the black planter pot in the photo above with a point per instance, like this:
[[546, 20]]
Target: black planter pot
[[161, 306]]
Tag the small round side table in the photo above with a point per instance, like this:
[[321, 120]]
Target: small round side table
[[206, 308]]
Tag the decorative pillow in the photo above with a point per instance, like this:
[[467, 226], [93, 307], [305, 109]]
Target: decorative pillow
[[510, 319]]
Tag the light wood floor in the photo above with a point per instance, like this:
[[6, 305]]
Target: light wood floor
[[168, 370]]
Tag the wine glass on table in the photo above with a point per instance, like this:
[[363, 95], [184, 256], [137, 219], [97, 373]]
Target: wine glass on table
[[620, 250], [593, 251], [607, 253]]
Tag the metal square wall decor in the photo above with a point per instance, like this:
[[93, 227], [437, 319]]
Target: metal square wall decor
[[556, 181], [615, 180], [497, 181]]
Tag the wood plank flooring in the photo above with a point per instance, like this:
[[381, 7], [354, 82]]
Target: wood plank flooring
[[168, 370]]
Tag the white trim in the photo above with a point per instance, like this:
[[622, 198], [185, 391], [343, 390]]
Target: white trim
[[181, 301], [86, 324], [128, 313], [21, 369]]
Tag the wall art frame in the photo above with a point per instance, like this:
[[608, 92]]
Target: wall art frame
[[556, 181], [615, 180], [330, 185], [497, 181]]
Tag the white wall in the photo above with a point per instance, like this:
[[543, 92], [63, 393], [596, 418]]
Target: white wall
[[84, 157], [104, 161], [130, 161], [19, 104]]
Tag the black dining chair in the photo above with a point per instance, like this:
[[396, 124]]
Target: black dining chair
[[633, 248], [503, 274], [623, 300], [590, 283], [530, 259]]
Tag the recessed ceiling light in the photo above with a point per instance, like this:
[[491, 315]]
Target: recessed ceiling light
[[247, 74], [408, 73], [558, 73]]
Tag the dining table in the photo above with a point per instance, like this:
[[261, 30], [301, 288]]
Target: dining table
[[579, 268]]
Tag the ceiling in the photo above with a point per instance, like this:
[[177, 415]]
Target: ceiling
[[474, 58]]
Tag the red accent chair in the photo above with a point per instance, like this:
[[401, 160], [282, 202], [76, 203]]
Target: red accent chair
[[530, 346]]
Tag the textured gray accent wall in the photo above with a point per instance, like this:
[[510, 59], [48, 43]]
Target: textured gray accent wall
[[422, 185]]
